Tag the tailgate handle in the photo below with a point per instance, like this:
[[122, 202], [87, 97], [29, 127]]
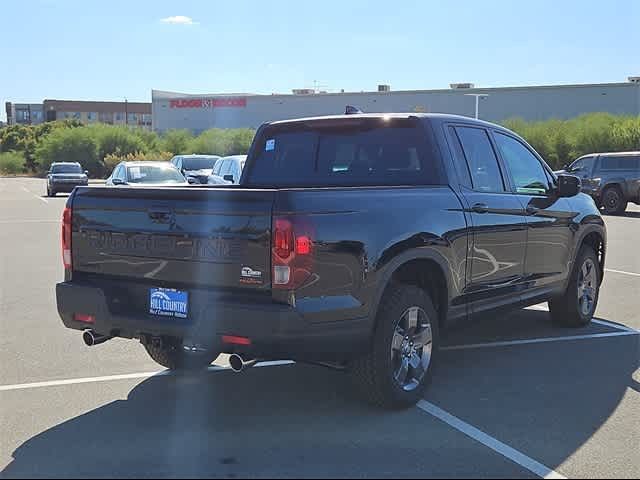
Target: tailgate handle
[[161, 216]]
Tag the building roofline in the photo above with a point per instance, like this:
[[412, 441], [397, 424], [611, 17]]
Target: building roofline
[[107, 102], [168, 95]]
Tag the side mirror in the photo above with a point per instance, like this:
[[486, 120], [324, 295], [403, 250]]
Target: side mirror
[[86, 172], [191, 180], [569, 185], [118, 181], [228, 178]]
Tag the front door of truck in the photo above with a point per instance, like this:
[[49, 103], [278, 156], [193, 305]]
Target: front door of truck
[[498, 226]]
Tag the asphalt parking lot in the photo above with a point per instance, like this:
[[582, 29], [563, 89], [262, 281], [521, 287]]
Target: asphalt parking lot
[[512, 397]]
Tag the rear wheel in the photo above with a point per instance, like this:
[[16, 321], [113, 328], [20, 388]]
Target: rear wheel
[[174, 357], [395, 373], [577, 306], [613, 201]]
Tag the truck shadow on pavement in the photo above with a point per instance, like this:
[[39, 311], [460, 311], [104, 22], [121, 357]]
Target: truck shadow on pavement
[[546, 400]]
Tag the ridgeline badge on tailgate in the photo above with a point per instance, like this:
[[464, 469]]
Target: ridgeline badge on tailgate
[[250, 276]]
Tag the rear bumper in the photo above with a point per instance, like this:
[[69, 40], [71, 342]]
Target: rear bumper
[[275, 330]]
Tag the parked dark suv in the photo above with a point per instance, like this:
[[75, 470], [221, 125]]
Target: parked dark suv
[[64, 177], [612, 179]]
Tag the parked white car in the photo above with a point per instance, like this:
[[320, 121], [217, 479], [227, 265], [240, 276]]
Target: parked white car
[[227, 170]]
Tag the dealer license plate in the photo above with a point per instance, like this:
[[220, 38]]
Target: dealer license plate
[[168, 302]]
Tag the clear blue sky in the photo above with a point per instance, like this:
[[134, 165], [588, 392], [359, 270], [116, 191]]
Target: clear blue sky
[[108, 50]]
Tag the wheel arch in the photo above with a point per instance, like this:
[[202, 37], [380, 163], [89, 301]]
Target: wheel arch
[[427, 270], [596, 239], [618, 183]]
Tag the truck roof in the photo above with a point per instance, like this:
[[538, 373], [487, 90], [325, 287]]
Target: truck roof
[[612, 154], [430, 116]]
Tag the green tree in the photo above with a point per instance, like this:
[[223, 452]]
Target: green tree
[[70, 145], [116, 140], [150, 139], [217, 141], [176, 141]]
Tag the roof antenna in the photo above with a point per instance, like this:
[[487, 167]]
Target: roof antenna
[[351, 110]]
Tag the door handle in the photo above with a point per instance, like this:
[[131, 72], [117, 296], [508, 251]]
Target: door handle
[[532, 210], [480, 208]]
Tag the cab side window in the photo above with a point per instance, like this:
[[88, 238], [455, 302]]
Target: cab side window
[[481, 159], [458, 157], [582, 165], [528, 174]]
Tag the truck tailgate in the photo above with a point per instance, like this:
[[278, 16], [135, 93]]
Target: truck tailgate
[[174, 237]]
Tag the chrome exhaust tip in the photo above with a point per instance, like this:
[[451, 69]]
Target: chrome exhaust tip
[[239, 364], [92, 339]]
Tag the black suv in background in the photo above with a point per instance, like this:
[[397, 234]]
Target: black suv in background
[[612, 179], [64, 177]]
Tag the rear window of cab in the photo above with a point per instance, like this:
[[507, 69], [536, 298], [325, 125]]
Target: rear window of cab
[[344, 152]]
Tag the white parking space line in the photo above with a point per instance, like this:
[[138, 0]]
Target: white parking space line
[[544, 308], [540, 340], [541, 306], [17, 222], [75, 381], [497, 446], [34, 194], [614, 325], [622, 272], [128, 376]]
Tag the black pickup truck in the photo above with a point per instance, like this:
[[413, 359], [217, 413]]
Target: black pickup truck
[[350, 241]]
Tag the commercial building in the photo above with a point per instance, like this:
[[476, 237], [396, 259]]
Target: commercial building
[[200, 112], [24, 113], [133, 114]]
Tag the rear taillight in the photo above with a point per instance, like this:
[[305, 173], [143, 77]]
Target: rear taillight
[[84, 318], [234, 340], [291, 252], [66, 238]]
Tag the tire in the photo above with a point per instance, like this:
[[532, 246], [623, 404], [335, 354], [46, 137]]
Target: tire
[[570, 310], [174, 358], [613, 201], [376, 374]]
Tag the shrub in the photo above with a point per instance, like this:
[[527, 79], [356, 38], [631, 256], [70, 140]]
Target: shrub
[[70, 145], [561, 141], [116, 140], [223, 142], [176, 141], [11, 163], [111, 160]]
